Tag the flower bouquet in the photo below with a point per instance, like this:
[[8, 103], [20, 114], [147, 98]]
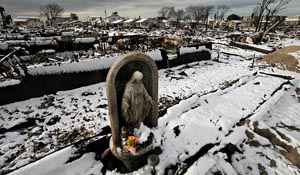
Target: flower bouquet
[[131, 144]]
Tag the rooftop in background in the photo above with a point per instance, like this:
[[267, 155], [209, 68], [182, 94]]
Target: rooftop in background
[[293, 18], [19, 20], [129, 20], [27, 17], [142, 20]]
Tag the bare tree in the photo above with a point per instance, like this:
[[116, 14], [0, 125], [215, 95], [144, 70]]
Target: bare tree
[[220, 12], [200, 12], [74, 16], [171, 13], [180, 13], [163, 11], [189, 13], [262, 7], [196, 12], [280, 6], [166, 12], [50, 11], [270, 12], [255, 15]]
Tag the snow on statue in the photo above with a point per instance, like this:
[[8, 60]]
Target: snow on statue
[[136, 102]]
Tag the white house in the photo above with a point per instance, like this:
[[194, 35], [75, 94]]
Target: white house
[[114, 17]]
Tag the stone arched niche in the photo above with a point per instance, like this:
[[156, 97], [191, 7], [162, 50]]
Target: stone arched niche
[[118, 75]]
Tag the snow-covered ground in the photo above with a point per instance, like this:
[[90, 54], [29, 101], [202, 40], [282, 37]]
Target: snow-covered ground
[[216, 118]]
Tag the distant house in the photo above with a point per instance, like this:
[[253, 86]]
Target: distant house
[[114, 17], [130, 23], [20, 22], [160, 22], [145, 22], [211, 22], [75, 23], [57, 21], [191, 23], [234, 24], [272, 20], [292, 20], [28, 21], [118, 22], [246, 22], [223, 24], [171, 22], [94, 18]]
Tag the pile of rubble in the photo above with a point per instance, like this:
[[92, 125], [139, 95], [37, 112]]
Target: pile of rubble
[[287, 58]]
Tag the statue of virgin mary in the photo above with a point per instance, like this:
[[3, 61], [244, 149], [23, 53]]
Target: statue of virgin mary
[[136, 102]]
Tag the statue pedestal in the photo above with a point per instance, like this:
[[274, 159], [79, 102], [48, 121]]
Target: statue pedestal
[[132, 161]]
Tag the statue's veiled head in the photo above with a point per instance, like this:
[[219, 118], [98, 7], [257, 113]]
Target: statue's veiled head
[[137, 76]]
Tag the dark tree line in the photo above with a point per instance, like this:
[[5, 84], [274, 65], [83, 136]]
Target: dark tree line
[[195, 12], [263, 12]]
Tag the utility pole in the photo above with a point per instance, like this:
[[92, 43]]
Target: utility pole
[[105, 21]]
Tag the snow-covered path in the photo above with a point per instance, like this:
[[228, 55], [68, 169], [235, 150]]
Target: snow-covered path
[[207, 119]]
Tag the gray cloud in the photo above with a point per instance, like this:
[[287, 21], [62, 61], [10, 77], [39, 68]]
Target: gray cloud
[[132, 8]]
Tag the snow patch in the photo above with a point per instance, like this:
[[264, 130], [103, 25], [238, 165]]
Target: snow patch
[[142, 133], [84, 40], [10, 82], [155, 55], [201, 166], [184, 50], [47, 165], [3, 46]]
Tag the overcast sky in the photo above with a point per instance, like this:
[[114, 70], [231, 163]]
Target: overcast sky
[[132, 8]]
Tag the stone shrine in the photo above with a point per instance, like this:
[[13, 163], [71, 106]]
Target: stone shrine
[[132, 94]]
